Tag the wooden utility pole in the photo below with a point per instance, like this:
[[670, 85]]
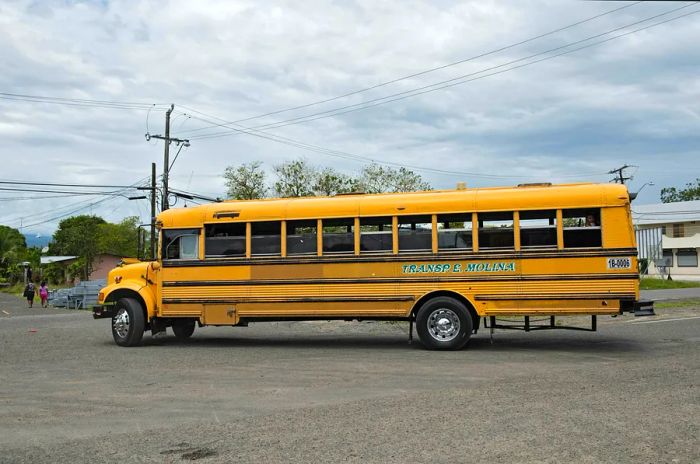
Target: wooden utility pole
[[153, 211], [619, 174], [166, 158], [166, 155]]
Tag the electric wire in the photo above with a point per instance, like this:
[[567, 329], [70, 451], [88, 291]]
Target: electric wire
[[365, 159], [459, 80], [427, 71]]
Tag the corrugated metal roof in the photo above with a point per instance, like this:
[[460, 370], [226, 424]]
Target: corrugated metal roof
[[666, 213], [55, 259]]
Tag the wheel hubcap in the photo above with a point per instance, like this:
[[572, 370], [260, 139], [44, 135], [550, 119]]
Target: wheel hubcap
[[443, 324], [121, 323]]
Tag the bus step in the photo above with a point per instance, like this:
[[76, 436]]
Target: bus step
[[644, 308]]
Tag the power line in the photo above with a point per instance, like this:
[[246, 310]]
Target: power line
[[52, 184], [364, 159], [427, 71], [457, 80], [66, 207], [9, 189], [78, 101]]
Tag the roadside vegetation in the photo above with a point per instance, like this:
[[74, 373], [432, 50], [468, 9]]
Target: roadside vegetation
[[648, 283], [677, 304]]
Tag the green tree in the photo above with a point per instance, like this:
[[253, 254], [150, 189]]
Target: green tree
[[378, 179], [246, 182], [78, 236], [295, 179], [689, 193], [13, 247], [330, 182], [119, 239]]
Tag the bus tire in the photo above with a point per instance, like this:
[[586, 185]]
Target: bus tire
[[443, 323], [183, 328], [128, 322]]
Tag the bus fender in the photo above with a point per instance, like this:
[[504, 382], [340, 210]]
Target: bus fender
[[452, 294], [130, 289]]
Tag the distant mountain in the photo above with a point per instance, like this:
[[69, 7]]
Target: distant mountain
[[34, 240]]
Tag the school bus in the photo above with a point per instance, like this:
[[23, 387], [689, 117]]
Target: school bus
[[442, 260]]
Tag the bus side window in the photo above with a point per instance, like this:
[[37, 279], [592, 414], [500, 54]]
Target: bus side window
[[415, 233], [496, 230], [454, 231], [338, 235], [180, 244], [301, 237], [375, 234], [266, 238], [582, 228], [538, 229], [224, 240]]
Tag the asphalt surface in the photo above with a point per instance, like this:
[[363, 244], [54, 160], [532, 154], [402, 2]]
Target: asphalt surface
[[670, 294], [347, 392]]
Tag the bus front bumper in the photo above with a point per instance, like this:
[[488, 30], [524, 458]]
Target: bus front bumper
[[102, 311]]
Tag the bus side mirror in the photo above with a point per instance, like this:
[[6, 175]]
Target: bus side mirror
[[155, 265]]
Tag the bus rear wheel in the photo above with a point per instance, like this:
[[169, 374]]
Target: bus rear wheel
[[444, 323], [183, 329], [128, 322]]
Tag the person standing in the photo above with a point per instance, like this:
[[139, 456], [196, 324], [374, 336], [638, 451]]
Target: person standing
[[44, 295], [29, 291]]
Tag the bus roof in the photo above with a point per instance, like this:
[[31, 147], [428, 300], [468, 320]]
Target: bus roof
[[522, 197]]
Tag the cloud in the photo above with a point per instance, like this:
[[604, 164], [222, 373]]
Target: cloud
[[631, 100]]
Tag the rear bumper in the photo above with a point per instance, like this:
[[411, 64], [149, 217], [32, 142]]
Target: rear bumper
[[637, 307], [102, 311]]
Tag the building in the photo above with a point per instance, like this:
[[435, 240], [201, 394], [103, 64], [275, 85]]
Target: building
[[668, 238], [101, 265]]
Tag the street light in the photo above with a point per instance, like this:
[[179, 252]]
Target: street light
[[633, 195]]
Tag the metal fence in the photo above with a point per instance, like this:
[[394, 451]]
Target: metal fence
[[82, 296], [649, 243]]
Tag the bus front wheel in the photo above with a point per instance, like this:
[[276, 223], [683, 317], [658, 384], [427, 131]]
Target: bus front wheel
[[183, 329], [128, 322], [443, 323]]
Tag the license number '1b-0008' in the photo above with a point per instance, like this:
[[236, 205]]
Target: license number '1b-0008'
[[619, 263]]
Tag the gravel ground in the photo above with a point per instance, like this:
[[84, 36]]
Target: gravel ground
[[347, 392]]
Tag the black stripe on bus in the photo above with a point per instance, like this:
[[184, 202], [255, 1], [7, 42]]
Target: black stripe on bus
[[558, 296], [394, 280], [321, 299], [406, 257]]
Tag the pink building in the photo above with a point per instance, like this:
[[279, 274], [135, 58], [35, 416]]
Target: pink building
[[102, 264]]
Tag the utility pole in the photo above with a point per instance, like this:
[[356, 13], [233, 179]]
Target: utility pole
[[166, 158], [166, 154], [153, 211], [154, 196], [620, 174]]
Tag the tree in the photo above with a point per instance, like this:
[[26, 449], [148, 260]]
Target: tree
[[689, 193], [13, 247], [379, 179], [405, 180], [78, 236], [119, 239], [330, 182], [246, 182], [295, 179]]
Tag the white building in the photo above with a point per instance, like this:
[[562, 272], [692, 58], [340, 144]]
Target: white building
[[678, 227]]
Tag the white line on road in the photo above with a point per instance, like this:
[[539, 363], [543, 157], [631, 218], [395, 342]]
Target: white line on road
[[668, 320]]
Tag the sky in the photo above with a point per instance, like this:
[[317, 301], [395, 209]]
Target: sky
[[633, 99]]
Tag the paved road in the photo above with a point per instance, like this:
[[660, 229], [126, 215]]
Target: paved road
[[347, 392], [670, 294]]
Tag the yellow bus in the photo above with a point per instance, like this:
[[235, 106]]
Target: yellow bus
[[442, 260]]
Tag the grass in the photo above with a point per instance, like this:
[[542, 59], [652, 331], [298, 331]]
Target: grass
[[16, 289], [658, 284], [690, 303]]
